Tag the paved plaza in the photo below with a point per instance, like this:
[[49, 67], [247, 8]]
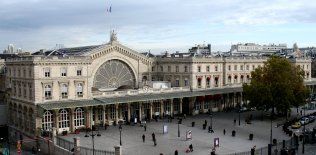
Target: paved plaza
[[202, 141]]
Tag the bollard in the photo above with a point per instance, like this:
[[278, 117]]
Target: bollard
[[118, 150], [77, 146]]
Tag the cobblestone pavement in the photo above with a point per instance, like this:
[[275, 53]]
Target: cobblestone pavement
[[201, 139]]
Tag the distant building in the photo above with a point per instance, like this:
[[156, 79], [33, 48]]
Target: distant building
[[256, 49], [201, 49], [11, 50]]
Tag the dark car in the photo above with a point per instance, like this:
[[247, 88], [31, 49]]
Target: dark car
[[311, 118]]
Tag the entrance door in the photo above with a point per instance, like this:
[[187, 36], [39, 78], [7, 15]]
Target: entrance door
[[185, 106]]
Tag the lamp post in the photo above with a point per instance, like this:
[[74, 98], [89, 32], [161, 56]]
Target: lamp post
[[239, 117], [92, 137], [211, 115], [303, 146], [120, 128], [178, 127]]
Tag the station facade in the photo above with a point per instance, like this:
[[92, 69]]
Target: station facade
[[105, 84]]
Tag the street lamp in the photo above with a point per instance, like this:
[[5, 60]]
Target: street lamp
[[92, 137], [178, 127], [303, 147], [239, 116], [120, 128], [211, 115]]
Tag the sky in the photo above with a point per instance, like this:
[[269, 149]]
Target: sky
[[158, 26]]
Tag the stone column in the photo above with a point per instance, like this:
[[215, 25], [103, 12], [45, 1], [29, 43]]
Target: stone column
[[54, 135], [71, 120], [180, 105], [191, 105], [88, 117], [128, 112], [55, 123], [140, 112], [109, 112], [202, 105], [161, 109], [116, 113], [103, 114], [77, 146], [171, 107], [151, 111]]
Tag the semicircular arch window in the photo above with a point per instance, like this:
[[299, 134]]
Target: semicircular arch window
[[113, 74]]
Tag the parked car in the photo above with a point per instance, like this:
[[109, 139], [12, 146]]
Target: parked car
[[304, 120], [311, 118], [296, 125]]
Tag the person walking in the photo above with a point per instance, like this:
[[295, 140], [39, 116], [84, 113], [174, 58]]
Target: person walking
[[191, 147], [145, 127], [234, 121], [154, 138], [224, 131], [143, 137]]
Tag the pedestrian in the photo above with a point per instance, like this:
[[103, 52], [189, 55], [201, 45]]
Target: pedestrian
[[234, 121], [209, 129], [176, 152], [224, 131], [205, 122], [145, 127], [153, 136], [143, 138], [191, 147], [33, 150]]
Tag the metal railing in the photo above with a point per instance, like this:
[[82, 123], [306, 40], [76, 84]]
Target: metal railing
[[264, 150], [69, 146]]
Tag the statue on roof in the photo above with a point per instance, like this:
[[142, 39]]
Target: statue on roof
[[296, 51], [113, 36]]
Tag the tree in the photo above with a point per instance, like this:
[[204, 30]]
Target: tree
[[278, 85]]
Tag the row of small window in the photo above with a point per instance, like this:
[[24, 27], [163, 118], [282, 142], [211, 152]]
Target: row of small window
[[241, 67], [303, 66], [199, 69], [208, 82], [185, 69], [63, 91], [19, 86], [63, 72], [19, 72]]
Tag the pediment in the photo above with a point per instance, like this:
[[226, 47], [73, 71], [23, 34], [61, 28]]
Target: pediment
[[117, 47]]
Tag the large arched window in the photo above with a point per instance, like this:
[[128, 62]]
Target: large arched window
[[216, 82], [199, 82], [64, 91], [208, 82], [235, 79], [79, 90], [48, 92], [229, 80], [79, 117], [47, 121], [63, 120]]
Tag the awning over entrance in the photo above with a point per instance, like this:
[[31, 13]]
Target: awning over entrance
[[134, 98]]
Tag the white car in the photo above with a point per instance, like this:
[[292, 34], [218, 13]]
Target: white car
[[304, 120]]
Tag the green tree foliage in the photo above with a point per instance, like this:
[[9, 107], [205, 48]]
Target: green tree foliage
[[279, 85]]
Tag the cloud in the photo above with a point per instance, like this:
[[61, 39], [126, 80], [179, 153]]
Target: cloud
[[163, 24]]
